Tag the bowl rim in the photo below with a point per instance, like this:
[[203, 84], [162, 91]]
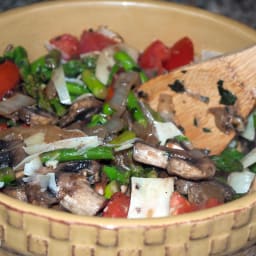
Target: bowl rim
[[237, 205]]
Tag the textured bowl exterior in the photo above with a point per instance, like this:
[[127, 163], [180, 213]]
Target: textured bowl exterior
[[30, 230]]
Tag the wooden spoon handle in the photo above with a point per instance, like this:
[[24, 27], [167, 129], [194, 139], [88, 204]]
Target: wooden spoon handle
[[192, 108]]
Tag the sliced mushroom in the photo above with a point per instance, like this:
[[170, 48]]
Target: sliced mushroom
[[17, 192], [200, 192], [88, 168], [86, 107], [175, 161], [11, 152], [76, 195], [33, 116], [202, 169], [37, 196], [226, 119], [52, 133]]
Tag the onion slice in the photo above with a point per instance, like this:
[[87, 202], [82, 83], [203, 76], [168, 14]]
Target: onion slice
[[59, 82], [14, 103], [77, 142]]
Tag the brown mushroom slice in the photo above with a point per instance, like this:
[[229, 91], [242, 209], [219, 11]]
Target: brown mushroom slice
[[86, 106], [17, 192], [76, 195], [38, 196], [147, 154], [33, 116], [88, 168], [202, 169], [200, 192], [176, 162]]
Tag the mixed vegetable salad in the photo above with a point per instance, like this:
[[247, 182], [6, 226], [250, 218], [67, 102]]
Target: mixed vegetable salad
[[77, 134]]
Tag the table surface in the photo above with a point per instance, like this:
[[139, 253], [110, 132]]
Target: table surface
[[241, 10]]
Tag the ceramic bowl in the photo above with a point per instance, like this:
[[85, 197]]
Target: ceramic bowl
[[30, 230]]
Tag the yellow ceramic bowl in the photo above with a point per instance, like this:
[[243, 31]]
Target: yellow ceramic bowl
[[30, 230]]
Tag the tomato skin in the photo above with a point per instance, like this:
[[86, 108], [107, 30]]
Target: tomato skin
[[3, 126], [180, 54], [67, 44], [153, 56], [117, 206], [179, 204], [94, 41], [9, 77]]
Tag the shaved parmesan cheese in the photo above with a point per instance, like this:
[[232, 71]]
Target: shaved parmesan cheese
[[78, 142], [165, 131], [150, 197]]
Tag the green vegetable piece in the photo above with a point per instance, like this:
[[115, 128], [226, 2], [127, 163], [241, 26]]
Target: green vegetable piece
[[135, 108], [71, 154], [98, 89], [229, 160], [113, 173], [127, 63], [125, 60], [111, 188], [181, 138], [59, 108], [107, 110], [123, 137], [76, 89], [7, 175], [97, 119]]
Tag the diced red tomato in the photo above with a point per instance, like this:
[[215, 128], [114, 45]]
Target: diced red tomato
[[94, 41], [110, 93], [67, 44], [180, 54], [117, 206], [179, 204], [3, 126], [9, 77], [153, 56]]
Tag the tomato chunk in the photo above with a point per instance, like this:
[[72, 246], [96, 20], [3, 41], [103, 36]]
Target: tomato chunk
[[117, 206], [179, 204], [153, 56], [180, 54], [94, 41], [67, 44], [9, 77]]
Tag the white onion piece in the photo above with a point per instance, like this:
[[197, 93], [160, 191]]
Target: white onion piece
[[2, 184], [241, 181], [249, 158], [165, 131], [150, 197], [249, 132], [77, 142], [104, 63], [59, 82], [14, 103], [24, 161], [35, 139], [52, 185], [32, 166]]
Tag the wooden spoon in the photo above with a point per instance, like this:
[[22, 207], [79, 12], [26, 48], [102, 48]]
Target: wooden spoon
[[194, 108]]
